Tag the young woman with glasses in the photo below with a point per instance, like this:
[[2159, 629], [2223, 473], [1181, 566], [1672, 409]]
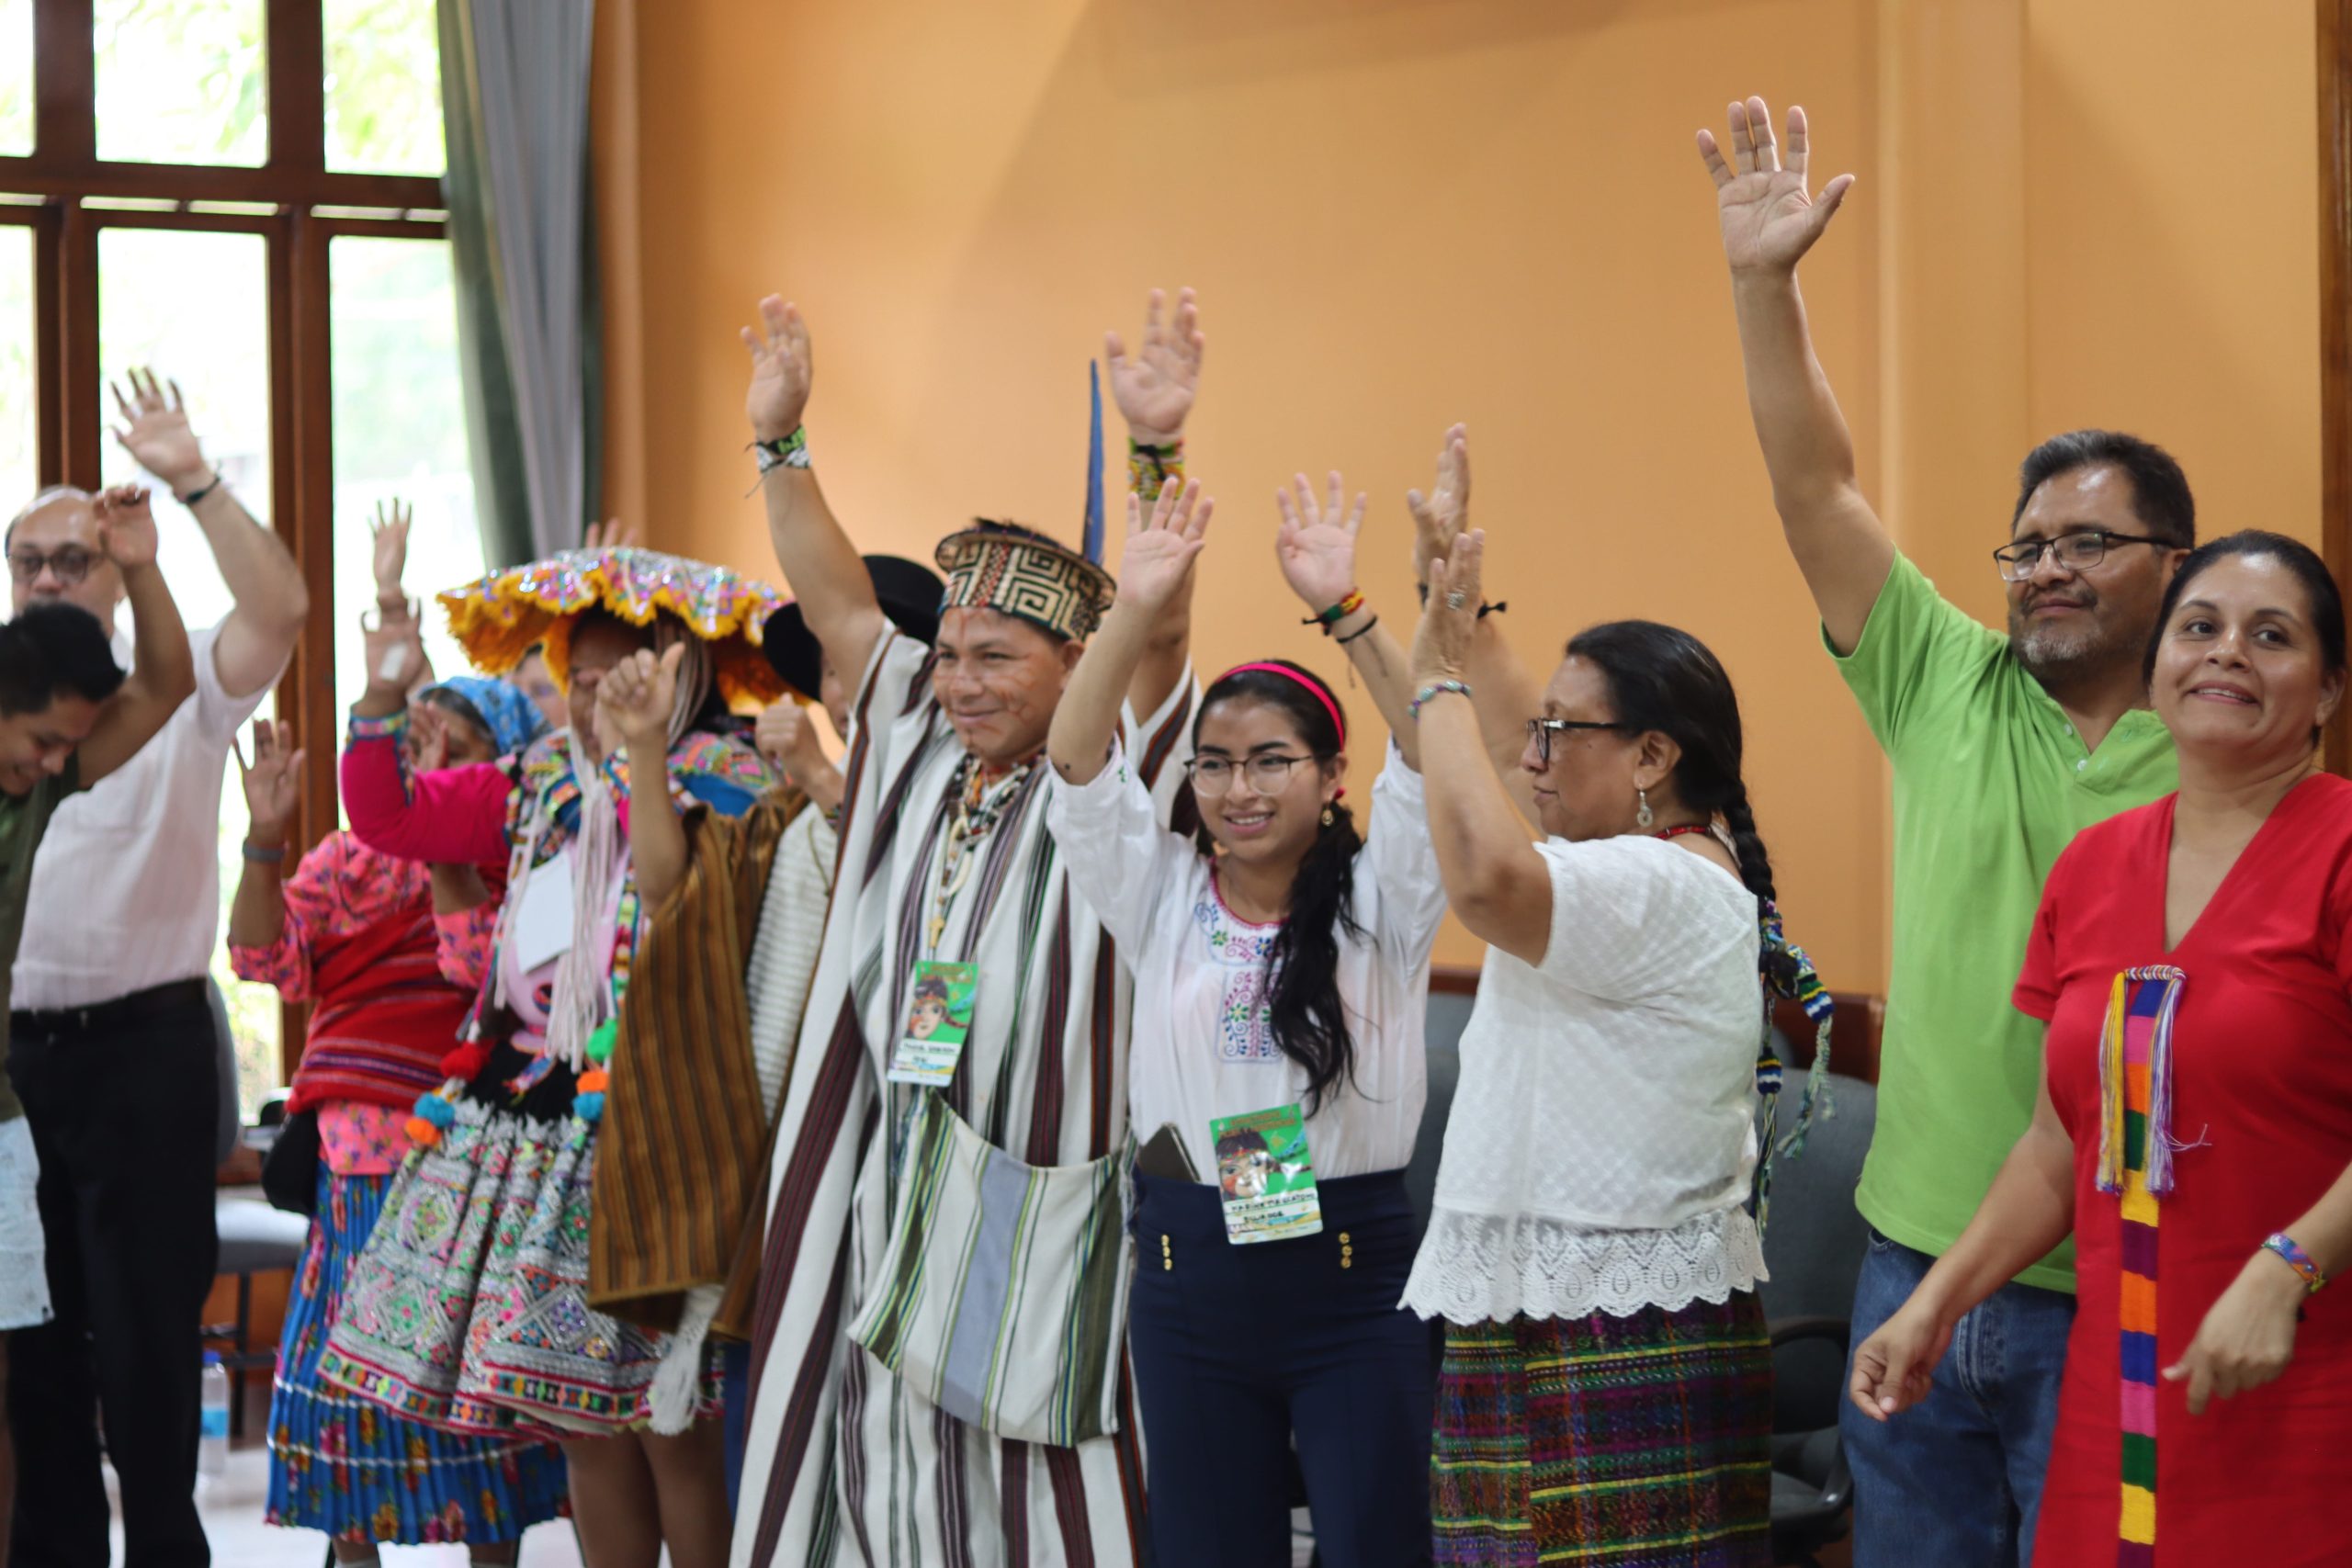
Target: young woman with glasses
[[1281, 966]]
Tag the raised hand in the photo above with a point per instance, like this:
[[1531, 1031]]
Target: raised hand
[[781, 370], [1441, 646], [389, 549], [634, 699], [786, 736], [126, 525], [1159, 557], [155, 432], [273, 782], [1317, 545], [1768, 220], [1445, 511], [428, 731], [1156, 388], [393, 648], [615, 535]]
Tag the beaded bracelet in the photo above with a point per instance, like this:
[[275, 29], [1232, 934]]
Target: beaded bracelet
[[391, 726], [1150, 466], [2297, 1258], [791, 452], [1436, 688], [1339, 612]]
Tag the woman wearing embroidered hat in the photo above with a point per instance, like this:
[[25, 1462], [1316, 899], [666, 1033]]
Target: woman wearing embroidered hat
[[351, 932], [468, 1308], [1280, 965]]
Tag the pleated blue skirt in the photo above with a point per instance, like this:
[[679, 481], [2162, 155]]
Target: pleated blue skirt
[[351, 1468]]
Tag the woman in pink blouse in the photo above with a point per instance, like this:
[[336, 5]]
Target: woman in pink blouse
[[351, 932]]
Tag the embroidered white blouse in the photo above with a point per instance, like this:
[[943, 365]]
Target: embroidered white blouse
[[1203, 1043], [1602, 1140]]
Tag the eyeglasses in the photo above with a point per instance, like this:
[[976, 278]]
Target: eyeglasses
[[1269, 772], [1541, 731], [2077, 552], [69, 566]]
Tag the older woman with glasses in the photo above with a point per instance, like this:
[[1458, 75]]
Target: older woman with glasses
[[1606, 1387], [2192, 964]]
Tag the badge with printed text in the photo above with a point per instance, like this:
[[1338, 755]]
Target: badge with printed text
[[1266, 1176], [939, 1020]]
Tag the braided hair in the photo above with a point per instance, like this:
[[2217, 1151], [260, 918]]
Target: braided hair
[[1303, 1002]]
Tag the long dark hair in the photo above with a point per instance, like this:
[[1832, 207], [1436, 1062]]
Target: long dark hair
[[1303, 1001]]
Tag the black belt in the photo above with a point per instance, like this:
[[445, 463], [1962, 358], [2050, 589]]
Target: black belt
[[172, 997]]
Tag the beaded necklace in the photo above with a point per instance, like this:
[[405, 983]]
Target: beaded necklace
[[982, 794]]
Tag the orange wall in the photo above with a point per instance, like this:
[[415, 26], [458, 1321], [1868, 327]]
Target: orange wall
[[1403, 212]]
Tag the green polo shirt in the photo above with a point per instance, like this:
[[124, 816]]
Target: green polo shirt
[[23, 820], [1990, 783]]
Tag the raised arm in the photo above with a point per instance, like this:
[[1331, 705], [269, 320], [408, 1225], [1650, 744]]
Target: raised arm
[[1507, 696], [633, 703], [786, 737], [1316, 547], [1156, 568], [1495, 879], [818, 561], [454, 815], [1769, 223], [1155, 391], [273, 782], [265, 584], [388, 542], [163, 673]]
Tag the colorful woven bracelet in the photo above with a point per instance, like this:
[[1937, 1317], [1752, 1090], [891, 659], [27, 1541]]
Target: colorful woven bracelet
[[1436, 688], [391, 726], [2297, 1258], [1339, 612], [792, 452], [1150, 466]]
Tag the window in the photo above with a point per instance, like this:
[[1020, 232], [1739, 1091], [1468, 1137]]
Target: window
[[244, 195]]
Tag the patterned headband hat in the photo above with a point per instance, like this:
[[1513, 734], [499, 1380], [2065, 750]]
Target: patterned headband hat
[[1017, 570]]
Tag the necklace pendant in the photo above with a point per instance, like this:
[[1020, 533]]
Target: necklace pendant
[[938, 928]]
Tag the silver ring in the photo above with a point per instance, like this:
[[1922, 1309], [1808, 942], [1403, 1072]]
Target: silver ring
[[1455, 601]]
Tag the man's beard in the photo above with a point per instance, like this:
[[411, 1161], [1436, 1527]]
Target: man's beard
[[2054, 654]]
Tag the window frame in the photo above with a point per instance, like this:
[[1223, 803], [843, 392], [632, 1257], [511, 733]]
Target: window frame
[[68, 196]]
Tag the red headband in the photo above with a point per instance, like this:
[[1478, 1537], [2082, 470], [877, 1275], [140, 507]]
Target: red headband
[[1313, 686]]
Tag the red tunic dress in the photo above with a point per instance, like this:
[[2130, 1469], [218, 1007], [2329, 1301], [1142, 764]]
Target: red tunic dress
[[2262, 1081]]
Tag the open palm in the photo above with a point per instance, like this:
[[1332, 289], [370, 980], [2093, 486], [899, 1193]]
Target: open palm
[[155, 430], [1156, 387], [782, 370], [273, 782], [1445, 511], [1317, 545], [1158, 556], [1768, 220]]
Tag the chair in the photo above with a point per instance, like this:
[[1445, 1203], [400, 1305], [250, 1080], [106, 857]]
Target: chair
[[1813, 1248], [255, 1237]]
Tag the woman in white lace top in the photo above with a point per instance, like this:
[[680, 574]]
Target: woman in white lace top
[[1606, 1387], [1277, 1071]]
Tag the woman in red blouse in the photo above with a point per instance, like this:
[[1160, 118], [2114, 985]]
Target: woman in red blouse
[[2193, 962]]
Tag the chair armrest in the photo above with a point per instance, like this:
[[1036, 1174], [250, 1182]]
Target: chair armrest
[[1790, 1330]]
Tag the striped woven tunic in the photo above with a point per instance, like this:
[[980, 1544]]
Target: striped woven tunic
[[845, 1463]]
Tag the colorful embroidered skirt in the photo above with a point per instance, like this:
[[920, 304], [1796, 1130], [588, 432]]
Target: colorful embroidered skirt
[[1635, 1442], [469, 1307], [341, 1464]]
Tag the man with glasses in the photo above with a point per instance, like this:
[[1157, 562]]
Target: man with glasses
[[111, 1042], [2002, 747]]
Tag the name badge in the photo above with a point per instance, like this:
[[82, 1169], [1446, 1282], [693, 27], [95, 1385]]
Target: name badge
[[1266, 1174], [543, 925], [939, 1020]]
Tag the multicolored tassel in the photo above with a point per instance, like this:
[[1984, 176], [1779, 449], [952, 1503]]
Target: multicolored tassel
[[1788, 973], [2135, 1164]]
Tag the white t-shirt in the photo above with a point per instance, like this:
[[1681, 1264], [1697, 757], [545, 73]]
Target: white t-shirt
[[126, 891], [1602, 1138], [1202, 1044]]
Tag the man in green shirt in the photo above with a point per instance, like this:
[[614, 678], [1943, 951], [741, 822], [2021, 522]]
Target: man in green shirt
[[2002, 747], [68, 717]]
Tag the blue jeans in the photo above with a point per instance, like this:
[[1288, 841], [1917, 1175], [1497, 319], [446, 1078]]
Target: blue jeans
[[1955, 1482]]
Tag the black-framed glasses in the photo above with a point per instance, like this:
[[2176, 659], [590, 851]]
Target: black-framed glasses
[[69, 565], [1268, 770], [1541, 731], [2077, 552]]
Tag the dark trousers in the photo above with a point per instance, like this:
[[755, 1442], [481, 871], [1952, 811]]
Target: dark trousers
[[1240, 1350], [124, 1110]]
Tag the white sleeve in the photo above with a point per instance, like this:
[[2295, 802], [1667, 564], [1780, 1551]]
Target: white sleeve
[[1632, 915], [1163, 744], [889, 713], [219, 716], [1121, 860], [1403, 861]]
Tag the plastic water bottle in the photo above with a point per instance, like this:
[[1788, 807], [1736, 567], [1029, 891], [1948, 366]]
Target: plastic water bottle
[[213, 1450]]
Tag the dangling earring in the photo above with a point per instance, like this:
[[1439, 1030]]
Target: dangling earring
[[1643, 819], [1327, 817]]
